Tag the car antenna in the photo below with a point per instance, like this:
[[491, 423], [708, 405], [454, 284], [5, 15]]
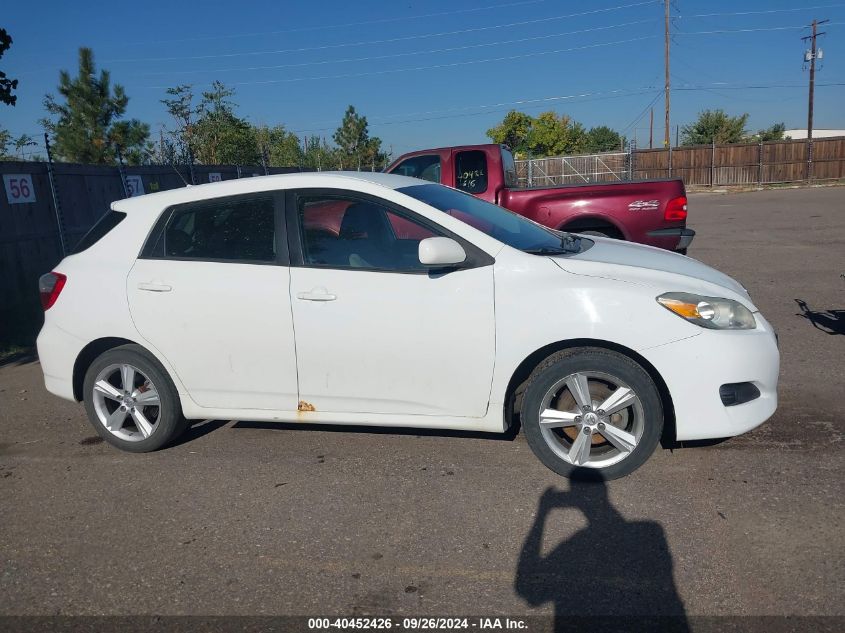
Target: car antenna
[[173, 165]]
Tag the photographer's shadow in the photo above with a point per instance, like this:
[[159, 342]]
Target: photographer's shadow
[[618, 570]]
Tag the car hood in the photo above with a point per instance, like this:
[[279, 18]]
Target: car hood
[[646, 265]]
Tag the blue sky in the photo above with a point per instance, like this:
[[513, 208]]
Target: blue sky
[[438, 72]]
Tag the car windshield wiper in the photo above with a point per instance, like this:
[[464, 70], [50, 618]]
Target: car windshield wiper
[[568, 244], [558, 250]]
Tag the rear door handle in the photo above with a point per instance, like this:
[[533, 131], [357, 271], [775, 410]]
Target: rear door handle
[[316, 295], [154, 287]]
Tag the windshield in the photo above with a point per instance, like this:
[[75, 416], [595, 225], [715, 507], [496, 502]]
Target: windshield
[[499, 223]]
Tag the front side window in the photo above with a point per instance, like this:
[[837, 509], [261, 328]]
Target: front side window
[[352, 233], [471, 171], [232, 229], [424, 167]]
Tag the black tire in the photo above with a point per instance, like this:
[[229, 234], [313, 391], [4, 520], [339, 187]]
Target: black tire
[[170, 421], [681, 251], [591, 359]]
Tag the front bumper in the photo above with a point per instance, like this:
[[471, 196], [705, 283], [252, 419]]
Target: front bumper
[[695, 368], [683, 236]]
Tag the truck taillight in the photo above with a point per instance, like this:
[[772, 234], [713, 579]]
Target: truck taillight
[[50, 285], [676, 210]]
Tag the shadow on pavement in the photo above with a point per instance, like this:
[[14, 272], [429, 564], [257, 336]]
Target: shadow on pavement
[[508, 436], [613, 574], [21, 357], [828, 321]]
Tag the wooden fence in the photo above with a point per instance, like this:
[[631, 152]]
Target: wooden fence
[[31, 240], [748, 164]]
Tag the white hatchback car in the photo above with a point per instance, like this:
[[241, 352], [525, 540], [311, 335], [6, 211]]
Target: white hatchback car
[[375, 299]]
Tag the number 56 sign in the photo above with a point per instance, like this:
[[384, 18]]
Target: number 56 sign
[[19, 189]]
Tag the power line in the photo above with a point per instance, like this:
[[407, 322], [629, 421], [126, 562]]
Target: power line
[[344, 25], [642, 114], [383, 41], [490, 108], [772, 28], [429, 67], [711, 15], [394, 55]]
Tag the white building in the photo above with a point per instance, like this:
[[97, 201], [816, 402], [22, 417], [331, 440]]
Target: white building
[[797, 135]]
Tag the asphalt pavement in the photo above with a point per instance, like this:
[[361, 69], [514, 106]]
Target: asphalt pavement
[[262, 518]]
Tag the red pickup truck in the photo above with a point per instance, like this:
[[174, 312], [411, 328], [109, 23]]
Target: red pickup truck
[[650, 212]]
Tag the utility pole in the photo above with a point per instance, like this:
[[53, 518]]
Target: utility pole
[[666, 139], [651, 129], [811, 56]]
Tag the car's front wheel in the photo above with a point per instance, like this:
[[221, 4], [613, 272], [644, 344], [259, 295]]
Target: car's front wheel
[[592, 408], [131, 401]]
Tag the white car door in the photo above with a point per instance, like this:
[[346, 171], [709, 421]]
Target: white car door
[[377, 332], [210, 293]]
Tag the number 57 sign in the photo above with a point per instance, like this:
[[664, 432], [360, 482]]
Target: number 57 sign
[[19, 189]]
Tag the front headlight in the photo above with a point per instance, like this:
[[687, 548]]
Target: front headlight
[[710, 312]]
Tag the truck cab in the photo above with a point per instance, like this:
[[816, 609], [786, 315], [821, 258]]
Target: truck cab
[[652, 212]]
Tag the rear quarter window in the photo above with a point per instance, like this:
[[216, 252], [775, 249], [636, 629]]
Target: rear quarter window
[[471, 171], [105, 224]]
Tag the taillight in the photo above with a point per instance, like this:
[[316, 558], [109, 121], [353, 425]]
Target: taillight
[[50, 285], [676, 210]]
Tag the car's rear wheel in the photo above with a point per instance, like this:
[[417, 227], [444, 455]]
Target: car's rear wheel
[[592, 408], [131, 401]]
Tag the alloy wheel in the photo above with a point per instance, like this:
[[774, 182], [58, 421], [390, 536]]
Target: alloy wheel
[[126, 402], [591, 419]]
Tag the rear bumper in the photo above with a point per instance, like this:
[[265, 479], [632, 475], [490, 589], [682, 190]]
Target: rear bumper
[[681, 238], [695, 368], [57, 353]]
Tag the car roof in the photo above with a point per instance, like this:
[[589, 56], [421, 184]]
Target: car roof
[[338, 179]]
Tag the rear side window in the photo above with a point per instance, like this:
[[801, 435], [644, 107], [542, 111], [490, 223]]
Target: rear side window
[[105, 224], [424, 167], [471, 171], [233, 229], [509, 167]]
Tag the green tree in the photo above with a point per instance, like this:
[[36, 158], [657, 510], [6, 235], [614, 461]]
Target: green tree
[[548, 134], [318, 154], [5, 141], [282, 147], [771, 133], [604, 139], [356, 148], [714, 126], [222, 137], [555, 135], [513, 131], [87, 122], [181, 107], [6, 85]]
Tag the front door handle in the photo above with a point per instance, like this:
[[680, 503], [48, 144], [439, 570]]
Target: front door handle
[[154, 287], [318, 294]]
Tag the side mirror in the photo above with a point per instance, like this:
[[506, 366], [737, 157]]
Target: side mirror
[[441, 251]]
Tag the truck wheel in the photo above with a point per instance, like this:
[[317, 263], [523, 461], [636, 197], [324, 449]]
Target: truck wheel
[[131, 401], [592, 408]]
